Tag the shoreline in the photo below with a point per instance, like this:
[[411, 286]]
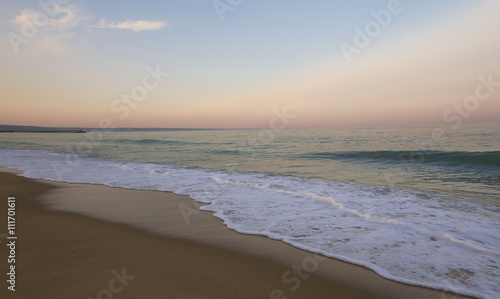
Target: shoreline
[[221, 261], [43, 131]]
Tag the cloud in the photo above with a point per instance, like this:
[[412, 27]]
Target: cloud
[[131, 25], [138, 25], [51, 28], [62, 18]]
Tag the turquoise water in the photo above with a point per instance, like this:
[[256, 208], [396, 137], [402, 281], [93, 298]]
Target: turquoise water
[[414, 204]]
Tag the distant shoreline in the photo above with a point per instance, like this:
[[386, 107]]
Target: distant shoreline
[[43, 131]]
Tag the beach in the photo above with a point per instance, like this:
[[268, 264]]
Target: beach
[[64, 255], [266, 149]]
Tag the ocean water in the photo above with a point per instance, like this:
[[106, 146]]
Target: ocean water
[[419, 205]]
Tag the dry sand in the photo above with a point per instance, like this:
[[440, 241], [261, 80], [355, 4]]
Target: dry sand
[[64, 255]]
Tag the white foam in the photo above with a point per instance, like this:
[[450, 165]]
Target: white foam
[[431, 242]]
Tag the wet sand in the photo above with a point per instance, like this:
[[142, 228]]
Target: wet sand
[[177, 252]]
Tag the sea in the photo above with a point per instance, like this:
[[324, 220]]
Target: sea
[[419, 205]]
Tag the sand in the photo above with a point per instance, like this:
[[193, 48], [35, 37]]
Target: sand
[[64, 255]]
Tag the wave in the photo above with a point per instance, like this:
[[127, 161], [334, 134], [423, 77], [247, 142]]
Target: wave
[[140, 141], [393, 232], [152, 142], [149, 141], [458, 159], [9, 144], [228, 152]]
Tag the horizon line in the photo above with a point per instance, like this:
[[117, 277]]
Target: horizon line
[[254, 128]]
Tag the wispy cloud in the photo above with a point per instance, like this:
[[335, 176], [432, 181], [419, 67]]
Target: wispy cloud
[[64, 18], [135, 26], [50, 31]]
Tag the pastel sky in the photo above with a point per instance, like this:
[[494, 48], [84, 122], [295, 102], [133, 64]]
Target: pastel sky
[[231, 63]]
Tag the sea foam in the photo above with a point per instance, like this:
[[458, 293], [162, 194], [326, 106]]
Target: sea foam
[[428, 241]]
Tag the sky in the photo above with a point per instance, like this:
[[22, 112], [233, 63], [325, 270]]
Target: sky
[[241, 63]]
